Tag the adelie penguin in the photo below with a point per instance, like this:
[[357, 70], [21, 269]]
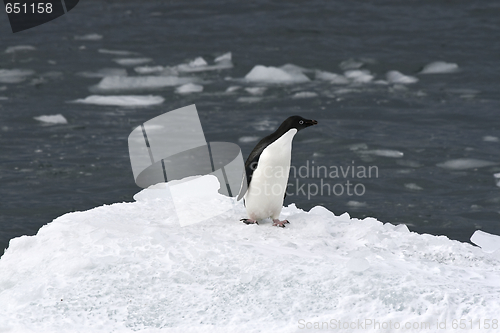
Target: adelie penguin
[[267, 169]]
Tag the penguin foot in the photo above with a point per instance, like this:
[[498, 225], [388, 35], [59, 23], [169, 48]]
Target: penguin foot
[[278, 223], [249, 221]]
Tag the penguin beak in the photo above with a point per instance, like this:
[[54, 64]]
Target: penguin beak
[[311, 122]]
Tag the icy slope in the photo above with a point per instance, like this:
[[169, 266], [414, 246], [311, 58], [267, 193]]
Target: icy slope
[[130, 266]]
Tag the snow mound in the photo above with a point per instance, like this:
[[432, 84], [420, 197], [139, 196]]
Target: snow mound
[[130, 267], [14, 75], [398, 77], [20, 48], [118, 83], [189, 88], [439, 67], [465, 163], [122, 100], [132, 61], [275, 75], [52, 119]]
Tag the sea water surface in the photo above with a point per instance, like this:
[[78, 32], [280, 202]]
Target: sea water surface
[[432, 132]]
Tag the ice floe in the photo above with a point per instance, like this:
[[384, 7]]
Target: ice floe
[[246, 139], [272, 74], [465, 163], [122, 100], [128, 267], [127, 83], [304, 94], [490, 138], [52, 119], [200, 65], [398, 77], [359, 75], [15, 75], [331, 77], [384, 153], [149, 69], [132, 61], [89, 37], [439, 67], [413, 186], [20, 48], [116, 52], [104, 72], [189, 88]]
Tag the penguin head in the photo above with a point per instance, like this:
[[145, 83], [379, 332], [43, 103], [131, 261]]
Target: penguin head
[[297, 122]]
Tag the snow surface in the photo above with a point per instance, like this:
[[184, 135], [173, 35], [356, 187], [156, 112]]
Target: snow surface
[[122, 100], [52, 119], [117, 83], [439, 67], [130, 267]]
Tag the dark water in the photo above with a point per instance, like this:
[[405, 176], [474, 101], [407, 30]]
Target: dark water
[[48, 170]]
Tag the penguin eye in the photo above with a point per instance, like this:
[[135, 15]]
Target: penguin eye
[[301, 122]]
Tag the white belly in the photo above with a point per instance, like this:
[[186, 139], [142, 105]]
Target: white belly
[[264, 197]]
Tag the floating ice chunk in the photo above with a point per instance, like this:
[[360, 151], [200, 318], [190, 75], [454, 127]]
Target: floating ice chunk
[[489, 138], [232, 89], [331, 77], [149, 69], [356, 204], [275, 75], [104, 72], [251, 99], [439, 67], [122, 100], [497, 177], [384, 153], [3, 98], [199, 65], [489, 243], [117, 52], [357, 264], [398, 77], [225, 57], [52, 119], [465, 163], [291, 68], [256, 90], [246, 139], [413, 186], [90, 37], [305, 94], [350, 64], [189, 88], [359, 75], [20, 48], [14, 75], [125, 83], [132, 61]]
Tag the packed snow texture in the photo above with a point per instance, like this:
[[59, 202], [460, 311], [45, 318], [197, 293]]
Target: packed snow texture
[[52, 119], [129, 267], [439, 67], [122, 100], [118, 83], [275, 75]]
